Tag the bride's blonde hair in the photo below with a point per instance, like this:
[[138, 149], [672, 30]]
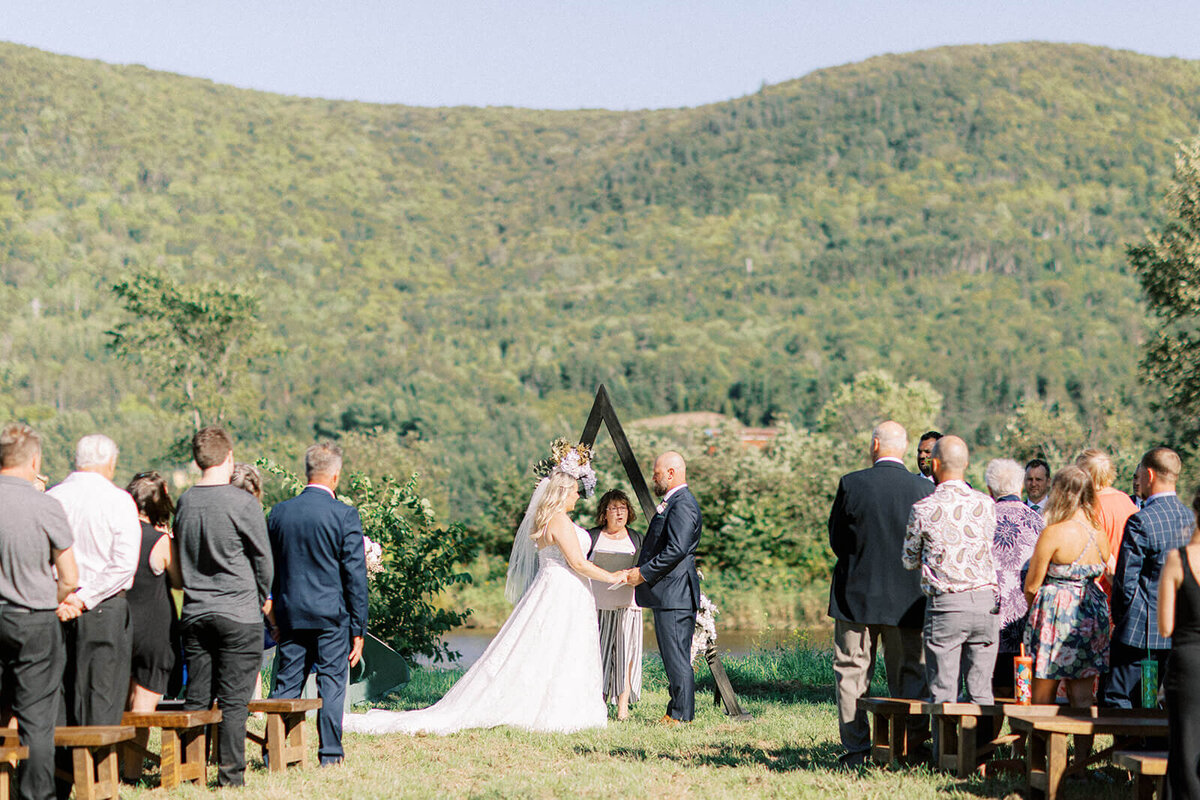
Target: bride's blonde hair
[[553, 502]]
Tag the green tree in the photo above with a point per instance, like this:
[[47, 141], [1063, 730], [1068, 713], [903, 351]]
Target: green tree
[[1038, 430], [1168, 265], [874, 396], [195, 342]]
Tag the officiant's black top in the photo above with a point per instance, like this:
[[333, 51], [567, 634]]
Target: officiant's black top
[[866, 531]]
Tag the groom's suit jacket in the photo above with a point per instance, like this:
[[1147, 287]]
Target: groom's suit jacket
[[668, 558], [320, 567]]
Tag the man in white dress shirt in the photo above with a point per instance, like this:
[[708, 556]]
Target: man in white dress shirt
[[108, 538], [1037, 485]]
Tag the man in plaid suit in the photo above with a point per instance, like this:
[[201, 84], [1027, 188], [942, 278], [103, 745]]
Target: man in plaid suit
[[1163, 524]]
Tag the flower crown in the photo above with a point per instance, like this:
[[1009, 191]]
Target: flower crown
[[570, 459]]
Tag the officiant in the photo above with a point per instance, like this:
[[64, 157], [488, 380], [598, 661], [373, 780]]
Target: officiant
[[615, 547]]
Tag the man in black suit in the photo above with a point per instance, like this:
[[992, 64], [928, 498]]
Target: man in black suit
[[320, 593], [872, 597], [667, 582]]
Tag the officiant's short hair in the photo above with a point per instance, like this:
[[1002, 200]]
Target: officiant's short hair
[[323, 458], [610, 497]]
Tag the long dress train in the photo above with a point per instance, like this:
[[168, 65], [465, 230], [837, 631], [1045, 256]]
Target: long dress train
[[541, 672]]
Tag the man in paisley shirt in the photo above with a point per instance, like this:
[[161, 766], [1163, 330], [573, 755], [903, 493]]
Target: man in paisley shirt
[[949, 538], [1017, 529]]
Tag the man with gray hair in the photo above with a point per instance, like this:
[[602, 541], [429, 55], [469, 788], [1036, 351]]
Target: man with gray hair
[[1017, 530], [320, 593], [108, 537], [949, 539], [870, 598]]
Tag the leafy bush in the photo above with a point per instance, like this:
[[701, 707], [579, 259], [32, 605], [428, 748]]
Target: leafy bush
[[420, 560]]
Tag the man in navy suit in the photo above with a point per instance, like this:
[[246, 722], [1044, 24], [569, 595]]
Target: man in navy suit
[[872, 598], [320, 592], [667, 582], [1163, 524]]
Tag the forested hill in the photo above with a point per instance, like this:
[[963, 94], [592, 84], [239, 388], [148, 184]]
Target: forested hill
[[463, 278]]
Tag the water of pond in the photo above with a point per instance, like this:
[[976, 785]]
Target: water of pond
[[471, 642]]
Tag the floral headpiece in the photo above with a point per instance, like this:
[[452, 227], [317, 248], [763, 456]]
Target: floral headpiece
[[571, 459]]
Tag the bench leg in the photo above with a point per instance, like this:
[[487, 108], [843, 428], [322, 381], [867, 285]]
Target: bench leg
[[968, 746], [6, 773], [1056, 763], [297, 739], [108, 771], [171, 759], [84, 773], [276, 743]]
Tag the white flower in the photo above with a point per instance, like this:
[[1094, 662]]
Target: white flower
[[374, 555], [705, 633]]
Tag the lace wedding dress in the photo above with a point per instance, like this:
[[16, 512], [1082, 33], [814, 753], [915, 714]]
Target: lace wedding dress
[[541, 672]]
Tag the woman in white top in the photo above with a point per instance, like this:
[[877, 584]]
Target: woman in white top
[[614, 548]]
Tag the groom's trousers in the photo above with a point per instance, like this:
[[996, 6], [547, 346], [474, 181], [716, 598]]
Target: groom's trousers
[[326, 650], [673, 628]]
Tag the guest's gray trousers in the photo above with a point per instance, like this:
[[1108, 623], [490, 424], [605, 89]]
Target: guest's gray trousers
[[854, 646], [962, 634]]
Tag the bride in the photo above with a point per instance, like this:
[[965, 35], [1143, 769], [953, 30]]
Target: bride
[[542, 670]]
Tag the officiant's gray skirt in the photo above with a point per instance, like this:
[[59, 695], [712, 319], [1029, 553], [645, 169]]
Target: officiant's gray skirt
[[621, 652]]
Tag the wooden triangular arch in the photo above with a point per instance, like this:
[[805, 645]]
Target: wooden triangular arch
[[603, 412]]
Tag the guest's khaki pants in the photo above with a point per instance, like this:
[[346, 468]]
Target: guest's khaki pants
[[854, 647]]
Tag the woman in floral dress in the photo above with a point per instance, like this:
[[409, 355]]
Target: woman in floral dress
[[1069, 628]]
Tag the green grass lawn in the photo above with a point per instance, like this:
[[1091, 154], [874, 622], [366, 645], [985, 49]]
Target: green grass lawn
[[789, 749]]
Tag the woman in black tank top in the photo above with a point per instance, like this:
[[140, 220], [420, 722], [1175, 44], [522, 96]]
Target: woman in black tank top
[[1179, 618]]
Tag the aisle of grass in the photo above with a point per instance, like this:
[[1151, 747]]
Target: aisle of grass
[[789, 749]]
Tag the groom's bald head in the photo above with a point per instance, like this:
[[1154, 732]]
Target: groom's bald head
[[670, 471]]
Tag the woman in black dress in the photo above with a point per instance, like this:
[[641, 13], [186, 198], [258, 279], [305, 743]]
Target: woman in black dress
[[1179, 618], [151, 611]]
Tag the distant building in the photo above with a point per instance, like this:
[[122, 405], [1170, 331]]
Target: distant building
[[709, 423]]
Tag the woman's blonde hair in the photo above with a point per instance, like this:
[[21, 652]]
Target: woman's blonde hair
[[1097, 464], [553, 502], [1071, 490]]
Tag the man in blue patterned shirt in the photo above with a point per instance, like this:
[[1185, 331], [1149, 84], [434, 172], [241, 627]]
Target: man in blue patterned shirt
[[1163, 524]]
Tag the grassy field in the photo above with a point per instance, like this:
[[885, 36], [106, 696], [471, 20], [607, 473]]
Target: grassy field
[[789, 749]]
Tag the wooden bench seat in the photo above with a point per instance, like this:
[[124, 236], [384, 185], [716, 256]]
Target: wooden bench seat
[[93, 758], [286, 739], [1149, 770], [1047, 761], [10, 754], [890, 720], [183, 741]]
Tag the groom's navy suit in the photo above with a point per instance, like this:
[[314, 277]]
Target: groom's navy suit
[[672, 589], [320, 597]]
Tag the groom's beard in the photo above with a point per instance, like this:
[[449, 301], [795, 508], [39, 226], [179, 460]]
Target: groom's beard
[[660, 489]]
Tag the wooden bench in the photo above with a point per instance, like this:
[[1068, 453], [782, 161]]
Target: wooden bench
[[1047, 761], [286, 740], [890, 719], [967, 734], [10, 754], [93, 758], [183, 742], [1149, 770]]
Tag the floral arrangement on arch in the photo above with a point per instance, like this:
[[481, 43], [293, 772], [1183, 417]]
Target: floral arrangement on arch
[[704, 635], [573, 459]]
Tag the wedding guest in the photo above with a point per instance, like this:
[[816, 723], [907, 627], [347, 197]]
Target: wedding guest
[[320, 593], [247, 478], [108, 537], [35, 542], [151, 610], [1179, 620], [870, 600], [226, 569], [615, 547], [1162, 524], [949, 539], [1017, 529], [1113, 507], [1037, 484], [1067, 632], [925, 454]]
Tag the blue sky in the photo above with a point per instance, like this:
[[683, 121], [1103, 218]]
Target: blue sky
[[617, 54]]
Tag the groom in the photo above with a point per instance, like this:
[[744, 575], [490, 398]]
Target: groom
[[667, 582]]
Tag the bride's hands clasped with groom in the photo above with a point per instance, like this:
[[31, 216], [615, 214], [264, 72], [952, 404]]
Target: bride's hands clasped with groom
[[628, 577]]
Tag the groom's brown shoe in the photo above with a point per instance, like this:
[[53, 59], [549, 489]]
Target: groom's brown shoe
[[669, 721]]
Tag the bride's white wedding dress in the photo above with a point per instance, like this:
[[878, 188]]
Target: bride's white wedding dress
[[541, 672]]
